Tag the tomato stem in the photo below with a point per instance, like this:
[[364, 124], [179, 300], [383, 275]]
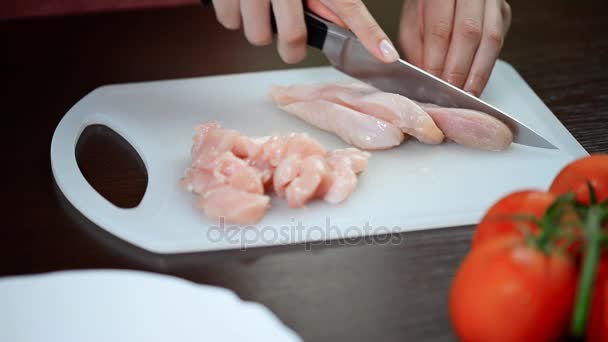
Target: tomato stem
[[587, 277], [550, 223]]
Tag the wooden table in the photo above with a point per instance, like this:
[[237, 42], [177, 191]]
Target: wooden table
[[356, 291]]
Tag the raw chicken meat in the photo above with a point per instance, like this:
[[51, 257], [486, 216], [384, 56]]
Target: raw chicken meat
[[237, 173], [286, 171], [354, 158], [303, 187], [353, 127], [342, 93], [471, 128], [273, 150], [395, 109], [426, 122], [231, 173], [211, 141], [343, 182], [234, 205], [199, 181]]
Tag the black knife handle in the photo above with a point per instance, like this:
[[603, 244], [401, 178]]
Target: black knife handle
[[315, 26]]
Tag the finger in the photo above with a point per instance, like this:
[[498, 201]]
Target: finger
[[491, 44], [256, 21], [506, 15], [410, 32], [466, 37], [438, 20], [291, 29], [364, 26], [316, 7], [228, 13]]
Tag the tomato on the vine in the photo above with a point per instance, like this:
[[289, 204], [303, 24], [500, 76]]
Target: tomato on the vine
[[507, 290], [505, 217], [597, 329], [574, 178]]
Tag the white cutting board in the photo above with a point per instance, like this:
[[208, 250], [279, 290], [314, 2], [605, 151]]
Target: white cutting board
[[411, 187]]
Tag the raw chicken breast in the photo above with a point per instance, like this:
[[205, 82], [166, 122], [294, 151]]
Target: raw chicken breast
[[341, 93], [471, 128], [234, 205], [427, 122], [401, 112], [392, 108], [353, 127]]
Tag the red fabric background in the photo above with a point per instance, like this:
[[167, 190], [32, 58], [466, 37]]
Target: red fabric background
[[34, 8]]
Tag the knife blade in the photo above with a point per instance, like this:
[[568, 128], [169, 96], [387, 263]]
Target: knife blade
[[347, 54]]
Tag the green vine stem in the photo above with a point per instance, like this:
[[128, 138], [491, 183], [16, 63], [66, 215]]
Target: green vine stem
[[550, 223], [593, 232]]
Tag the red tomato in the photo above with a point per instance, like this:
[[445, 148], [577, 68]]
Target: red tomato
[[575, 175], [500, 219], [508, 291], [597, 330]]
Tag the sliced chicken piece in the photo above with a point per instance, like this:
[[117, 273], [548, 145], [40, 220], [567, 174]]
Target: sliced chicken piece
[[353, 127], [228, 170], [236, 172], [302, 146], [267, 157], [272, 150], [354, 158], [231, 173], [234, 205], [471, 128], [199, 181], [275, 149], [287, 171], [303, 188], [209, 142], [343, 181], [392, 108], [245, 147]]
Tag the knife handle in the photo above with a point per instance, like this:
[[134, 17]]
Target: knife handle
[[315, 26]]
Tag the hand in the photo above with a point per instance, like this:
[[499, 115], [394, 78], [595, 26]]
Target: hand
[[254, 15], [457, 40]]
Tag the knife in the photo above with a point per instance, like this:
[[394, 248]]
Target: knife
[[347, 54]]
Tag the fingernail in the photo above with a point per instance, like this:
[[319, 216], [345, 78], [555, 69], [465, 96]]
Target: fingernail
[[389, 52]]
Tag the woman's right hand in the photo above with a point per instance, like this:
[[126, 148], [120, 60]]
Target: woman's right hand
[[254, 17]]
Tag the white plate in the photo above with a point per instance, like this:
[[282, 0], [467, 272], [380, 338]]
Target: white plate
[[413, 186], [112, 305]]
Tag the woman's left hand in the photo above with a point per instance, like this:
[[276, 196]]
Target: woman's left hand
[[457, 40]]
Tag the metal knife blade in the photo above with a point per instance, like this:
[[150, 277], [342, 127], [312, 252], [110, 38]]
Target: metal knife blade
[[346, 53]]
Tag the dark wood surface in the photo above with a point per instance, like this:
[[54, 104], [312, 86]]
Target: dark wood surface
[[355, 291]]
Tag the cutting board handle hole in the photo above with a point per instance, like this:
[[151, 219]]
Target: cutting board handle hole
[[111, 166]]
